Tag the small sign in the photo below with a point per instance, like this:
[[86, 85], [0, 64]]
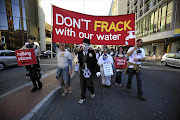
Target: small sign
[[26, 57], [108, 69], [120, 62]]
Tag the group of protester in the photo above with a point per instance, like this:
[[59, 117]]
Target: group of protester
[[90, 63]]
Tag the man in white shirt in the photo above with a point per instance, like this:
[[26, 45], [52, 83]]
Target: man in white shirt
[[136, 54], [64, 69]]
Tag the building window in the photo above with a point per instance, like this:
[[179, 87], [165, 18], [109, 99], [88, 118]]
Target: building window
[[3, 21], [2, 6], [152, 23], [147, 25], [143, 27], [163, 17], [169, 15], [159, 19], [15, 10], [155, 20]]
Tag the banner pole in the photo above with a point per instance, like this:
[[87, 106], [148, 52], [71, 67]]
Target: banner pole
[[51, 31]]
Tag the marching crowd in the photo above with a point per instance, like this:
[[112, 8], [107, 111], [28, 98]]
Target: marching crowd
[[90, 62]]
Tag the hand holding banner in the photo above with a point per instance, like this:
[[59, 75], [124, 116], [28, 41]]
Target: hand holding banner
[[26, 57]]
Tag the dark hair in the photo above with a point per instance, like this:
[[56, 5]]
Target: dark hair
[[138, 40], [31, 37], [122, 48]]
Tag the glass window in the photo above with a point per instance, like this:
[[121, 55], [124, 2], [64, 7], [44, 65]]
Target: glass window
[[15, 10], [23, 13], [147, 25], [24, 25], [17, 23], [15, 2], [143, 27], [152, 22], [2, 6], [3, 28], [159, 19], [3, 21], [177, 56], [163, 17], [169, 15], [23, 3], [155, 20], [170, 55]]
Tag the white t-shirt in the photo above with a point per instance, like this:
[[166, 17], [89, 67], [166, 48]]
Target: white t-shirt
[[62, 57], [135, 55]]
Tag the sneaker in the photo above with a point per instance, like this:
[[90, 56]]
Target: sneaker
[[142, 97], [34, 89], [119, 85], [81, 101], [128, 90], [92, 96], [116, 84]]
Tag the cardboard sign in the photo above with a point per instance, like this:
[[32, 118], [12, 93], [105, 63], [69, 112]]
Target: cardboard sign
[[120, 62], [73, 27], [108, 69], [26, 57]]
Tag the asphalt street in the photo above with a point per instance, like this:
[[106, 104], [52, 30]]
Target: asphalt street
[[160, 86], [15, 76]]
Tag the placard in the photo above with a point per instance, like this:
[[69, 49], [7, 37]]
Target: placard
[[120, 62], [108, 69], [26, 57]]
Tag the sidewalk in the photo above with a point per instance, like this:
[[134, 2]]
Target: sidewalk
[[19, 103], [148, 58]]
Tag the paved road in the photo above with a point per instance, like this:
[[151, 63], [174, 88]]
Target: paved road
[[161, 89], [13, 77]]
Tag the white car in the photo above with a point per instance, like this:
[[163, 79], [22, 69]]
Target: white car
[[7, 58], [172, 59]]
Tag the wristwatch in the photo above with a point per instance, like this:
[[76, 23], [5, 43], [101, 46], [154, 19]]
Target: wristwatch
[[139, 59]]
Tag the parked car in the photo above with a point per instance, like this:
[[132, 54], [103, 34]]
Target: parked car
[[172, 59], [7, 58], [47, 54]]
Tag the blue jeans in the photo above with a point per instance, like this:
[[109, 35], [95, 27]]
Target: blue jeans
[[131, 71]]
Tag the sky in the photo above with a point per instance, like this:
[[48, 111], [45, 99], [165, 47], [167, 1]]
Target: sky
[[90, 7]]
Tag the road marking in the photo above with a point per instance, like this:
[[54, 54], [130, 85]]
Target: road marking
[[163, 68]]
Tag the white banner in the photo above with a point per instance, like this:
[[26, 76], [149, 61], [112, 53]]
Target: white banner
[[108, 69]]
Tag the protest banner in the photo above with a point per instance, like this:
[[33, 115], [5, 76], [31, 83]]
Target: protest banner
[[73, 27], [120, 62], [107, 69], [26, 57]]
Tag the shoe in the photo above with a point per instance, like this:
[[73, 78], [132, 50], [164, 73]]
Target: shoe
[[128, 90], [142, 97], [119, 85], [40, 85], [70, 91], [116, 84], [81, 101], [34, 89], [64, 93], [92, 96]]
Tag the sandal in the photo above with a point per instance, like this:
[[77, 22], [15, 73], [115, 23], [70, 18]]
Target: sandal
[[64, 93], [70, 91]]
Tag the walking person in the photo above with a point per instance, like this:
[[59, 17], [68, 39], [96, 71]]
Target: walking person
[[105, 58], [136, 55], [34, 70], [119, 71], [88, 67], [64, 69]]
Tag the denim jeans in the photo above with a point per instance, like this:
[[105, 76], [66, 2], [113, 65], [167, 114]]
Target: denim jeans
[[131, 71]]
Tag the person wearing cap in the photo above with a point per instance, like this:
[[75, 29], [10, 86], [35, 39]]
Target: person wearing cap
[[87, 66], [136, 55], [64, 69], [34, 70], [105, 58]]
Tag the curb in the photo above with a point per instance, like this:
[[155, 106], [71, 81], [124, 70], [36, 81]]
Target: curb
[[41, 108]]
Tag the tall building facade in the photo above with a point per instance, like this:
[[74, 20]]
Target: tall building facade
[[157, 23], [19, 19]]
